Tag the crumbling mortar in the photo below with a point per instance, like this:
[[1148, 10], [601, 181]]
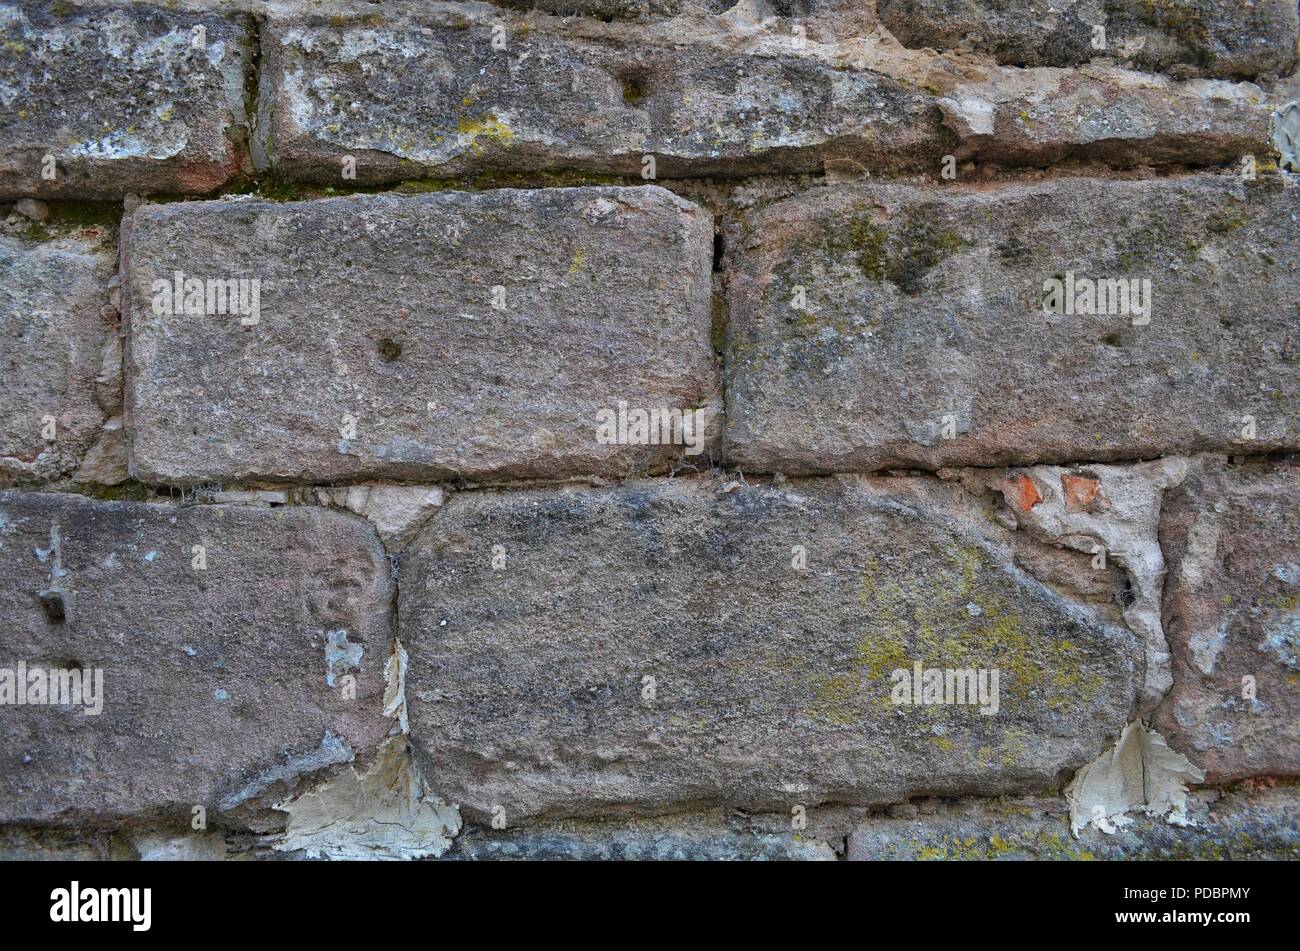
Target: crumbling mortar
[[832, 825], [275, 188], [253, 79], [299, 493]]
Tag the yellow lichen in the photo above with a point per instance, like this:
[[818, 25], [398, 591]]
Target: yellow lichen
[[488, 127]]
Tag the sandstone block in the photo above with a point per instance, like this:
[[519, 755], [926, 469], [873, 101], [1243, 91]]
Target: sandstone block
[[896, 326], [1187, 37], [214, 688], [1232, 616], [51, 296], [640, 648], [102, 101], [474, 335], [435, 97], [1124, 118]]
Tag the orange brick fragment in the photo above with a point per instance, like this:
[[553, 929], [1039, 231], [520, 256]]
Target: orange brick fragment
[[1080, 491], [1023, 492]]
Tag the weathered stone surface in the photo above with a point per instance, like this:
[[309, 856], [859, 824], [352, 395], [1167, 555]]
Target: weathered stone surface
[[1038, 117], [252, 497], [1111, 513], [1231, 611], [204, 847], [33, 209], [1185, 37], [771, 683], [623, 9], [214, 681], [1252, 823], [379, 353], [125, 97], [167, 844], [18, 844], [925, 318], [674, 840], [51, 294], [433, 97], [396, 511], [107, 461], [1205, 37], [821, 18], [1014, 32]]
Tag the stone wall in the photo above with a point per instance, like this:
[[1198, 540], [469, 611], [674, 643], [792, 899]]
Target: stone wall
[[649, 429]]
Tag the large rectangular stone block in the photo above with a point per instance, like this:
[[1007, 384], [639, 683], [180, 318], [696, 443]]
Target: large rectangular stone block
[[446, 335], [452, 94], [1185, 37], [385, 98], [108, 99], [240, 650], [1232, 616], [51, 297], [896, 326], [1039, 117], [687, 642]]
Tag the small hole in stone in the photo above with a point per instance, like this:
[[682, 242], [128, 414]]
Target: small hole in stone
[[1125, 592], [1113, 340], [634, 89], [56, 609], [389, 350]]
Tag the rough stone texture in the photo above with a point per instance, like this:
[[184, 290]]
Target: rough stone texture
[[18, 844], [1259, 823], [1232, 609], [214, 680], [772, 683], [107, 461], [863, 202], [623, 9], [33, 209], [51, 294], [126, 98], [723, 96], [662, 841], [916, 298], [380, 307], [1014, 32], [432, 97], [1037, 117], [178, 844], [1186, 37], [396, 511], [822, 19], [209, 847], [251, 497]]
